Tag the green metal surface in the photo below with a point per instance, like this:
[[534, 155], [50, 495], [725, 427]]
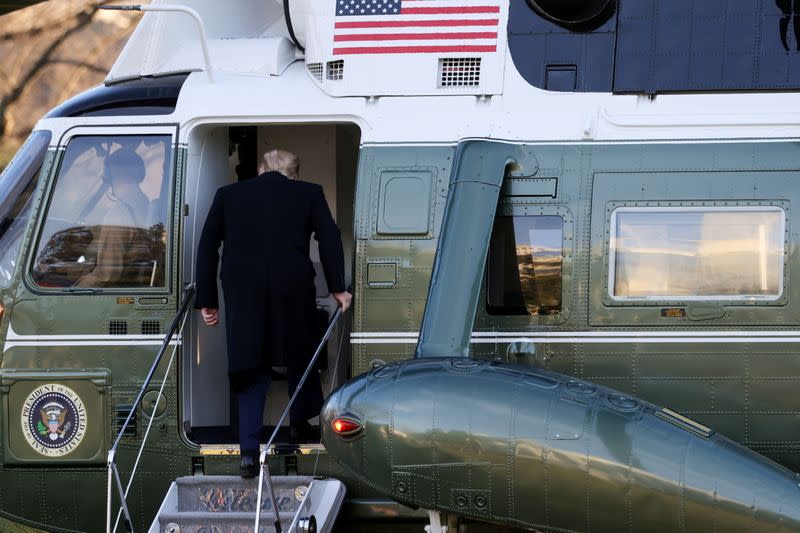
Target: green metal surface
[[461, 254], [523, 447], [398, 307], [744, 390], [7, 526]]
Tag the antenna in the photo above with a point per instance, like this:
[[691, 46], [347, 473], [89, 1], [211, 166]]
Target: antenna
[[172, 8]]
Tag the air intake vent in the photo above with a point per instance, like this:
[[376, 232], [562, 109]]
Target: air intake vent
[[117, 327], [335, 70], [151, 327], [459, 72], [121, 413], [315, 69]]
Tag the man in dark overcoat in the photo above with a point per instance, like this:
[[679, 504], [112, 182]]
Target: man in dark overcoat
[[265, 225]]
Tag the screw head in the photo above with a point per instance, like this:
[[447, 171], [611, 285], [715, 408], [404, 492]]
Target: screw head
[[480, 502]]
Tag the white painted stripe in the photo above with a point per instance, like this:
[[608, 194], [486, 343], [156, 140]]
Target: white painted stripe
[[640, 340], [591, 340], [14, 336], [737, 333], [590, 334], [384, 341], [13, 344], [14, 339], [414, 334], [424, 30], [44, 338]]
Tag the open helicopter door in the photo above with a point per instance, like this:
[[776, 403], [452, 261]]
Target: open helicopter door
[[221, 154], [98, 285]]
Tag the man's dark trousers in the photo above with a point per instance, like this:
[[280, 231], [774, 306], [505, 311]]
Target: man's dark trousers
[[251, 394]]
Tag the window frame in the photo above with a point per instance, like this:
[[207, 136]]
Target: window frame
[[694, 206], [170, 274], [35, 179], [522, 207]]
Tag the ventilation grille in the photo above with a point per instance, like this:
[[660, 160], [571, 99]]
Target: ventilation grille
[[315, 69], [335, 70], [460, 72], [151, 327], [117, 327], [121, 413]]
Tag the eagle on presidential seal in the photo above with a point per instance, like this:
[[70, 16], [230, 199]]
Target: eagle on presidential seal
[[54, 416]]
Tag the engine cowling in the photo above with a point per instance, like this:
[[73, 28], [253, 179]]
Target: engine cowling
[[526, 447], [575, 13]]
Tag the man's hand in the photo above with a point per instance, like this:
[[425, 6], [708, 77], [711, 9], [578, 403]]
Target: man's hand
[[210, 316], [343, 299]]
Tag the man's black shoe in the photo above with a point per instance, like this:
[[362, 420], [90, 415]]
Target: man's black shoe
[[248, 468]]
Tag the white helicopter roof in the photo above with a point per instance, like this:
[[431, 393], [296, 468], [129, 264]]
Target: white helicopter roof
[[399, 97], [351, 47]]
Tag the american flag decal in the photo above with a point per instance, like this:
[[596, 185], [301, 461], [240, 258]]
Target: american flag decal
[[415, 26]]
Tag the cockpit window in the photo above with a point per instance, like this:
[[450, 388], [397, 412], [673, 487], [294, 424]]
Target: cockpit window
[[524, 267], [17, 184], [107, 222]]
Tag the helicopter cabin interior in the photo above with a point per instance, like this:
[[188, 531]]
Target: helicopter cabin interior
[[222, 154]]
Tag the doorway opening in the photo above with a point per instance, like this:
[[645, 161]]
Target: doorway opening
[[222, 154]]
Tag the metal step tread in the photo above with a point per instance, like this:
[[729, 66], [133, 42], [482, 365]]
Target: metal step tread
[[196, 516], [224, 494], [228, 503], [237, 481]]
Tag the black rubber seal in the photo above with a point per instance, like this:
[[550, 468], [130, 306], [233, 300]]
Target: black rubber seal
[[576, 15], [289, 26]]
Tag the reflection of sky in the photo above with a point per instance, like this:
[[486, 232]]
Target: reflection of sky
[[698, 253], [85, 173], [82, 177]]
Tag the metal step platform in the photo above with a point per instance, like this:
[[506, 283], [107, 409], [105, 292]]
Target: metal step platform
[[226, 504]]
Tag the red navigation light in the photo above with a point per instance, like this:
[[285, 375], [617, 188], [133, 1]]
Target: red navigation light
[[345, 426]]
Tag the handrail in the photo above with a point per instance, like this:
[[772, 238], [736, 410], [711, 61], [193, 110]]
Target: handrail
[[263, 456], [175, 8], [113, 472]]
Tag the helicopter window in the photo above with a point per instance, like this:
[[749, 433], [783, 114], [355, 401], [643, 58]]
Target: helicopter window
[[524, 269], [108, 217], [17, 184], [704, 253]]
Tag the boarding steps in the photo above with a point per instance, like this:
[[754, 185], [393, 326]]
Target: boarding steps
[[226, 504]]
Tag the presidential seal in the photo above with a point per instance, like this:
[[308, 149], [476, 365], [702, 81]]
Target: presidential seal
[[53, 420]]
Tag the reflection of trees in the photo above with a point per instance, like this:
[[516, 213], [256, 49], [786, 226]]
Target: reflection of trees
[[540, 280], [525, 265], [50, 52], [71, 254]]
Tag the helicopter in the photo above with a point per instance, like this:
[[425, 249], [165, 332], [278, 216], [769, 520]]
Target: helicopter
[[570, 231]]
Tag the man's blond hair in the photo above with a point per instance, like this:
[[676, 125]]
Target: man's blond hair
[[281, 161]]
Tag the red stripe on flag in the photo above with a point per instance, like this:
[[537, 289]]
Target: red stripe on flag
[[415, 23], [413, 36], [412, 49], [448, 10]]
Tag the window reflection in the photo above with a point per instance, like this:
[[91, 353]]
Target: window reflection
[[525, 265], [701, 253], [107, 220]]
